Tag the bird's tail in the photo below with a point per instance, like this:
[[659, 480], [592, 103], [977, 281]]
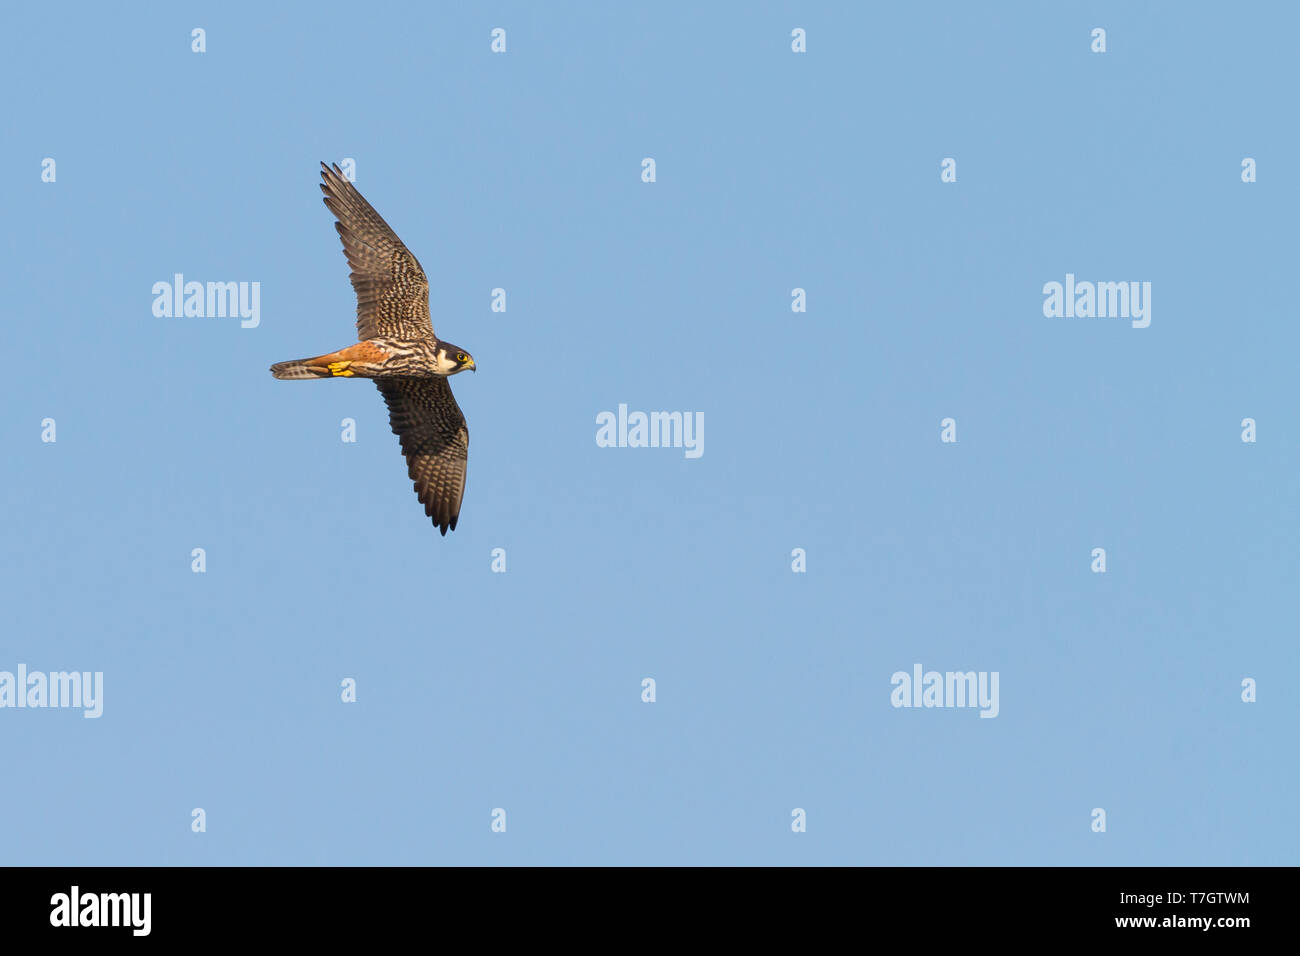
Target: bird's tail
[[301, 368]]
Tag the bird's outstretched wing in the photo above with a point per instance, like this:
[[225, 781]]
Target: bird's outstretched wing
[[435, 441], [392, 290]]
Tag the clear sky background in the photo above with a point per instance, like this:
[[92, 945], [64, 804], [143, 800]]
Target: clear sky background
[[522, 690]]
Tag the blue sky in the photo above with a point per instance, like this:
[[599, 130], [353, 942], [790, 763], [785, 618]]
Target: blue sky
[[523, 690]]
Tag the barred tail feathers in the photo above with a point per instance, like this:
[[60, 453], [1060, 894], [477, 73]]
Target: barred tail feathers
[[299, 369]]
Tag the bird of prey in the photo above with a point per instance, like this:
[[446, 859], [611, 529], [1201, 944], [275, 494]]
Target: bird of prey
[[399, 350]]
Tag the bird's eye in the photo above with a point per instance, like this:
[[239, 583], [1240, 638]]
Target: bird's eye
[[460, 356]]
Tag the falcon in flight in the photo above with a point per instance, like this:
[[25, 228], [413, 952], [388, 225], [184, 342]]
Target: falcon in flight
[[398, 349]]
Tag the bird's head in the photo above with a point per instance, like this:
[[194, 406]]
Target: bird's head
[[452, 359]]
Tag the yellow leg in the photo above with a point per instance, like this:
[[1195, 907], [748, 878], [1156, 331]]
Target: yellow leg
[[340, 368]]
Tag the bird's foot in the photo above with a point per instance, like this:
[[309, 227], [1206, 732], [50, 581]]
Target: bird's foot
[[340, 368]]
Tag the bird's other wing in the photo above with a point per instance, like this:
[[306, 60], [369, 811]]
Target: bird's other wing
[[392, 290], [435, 441]]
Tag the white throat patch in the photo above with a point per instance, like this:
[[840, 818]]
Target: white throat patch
[[446, 365]]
